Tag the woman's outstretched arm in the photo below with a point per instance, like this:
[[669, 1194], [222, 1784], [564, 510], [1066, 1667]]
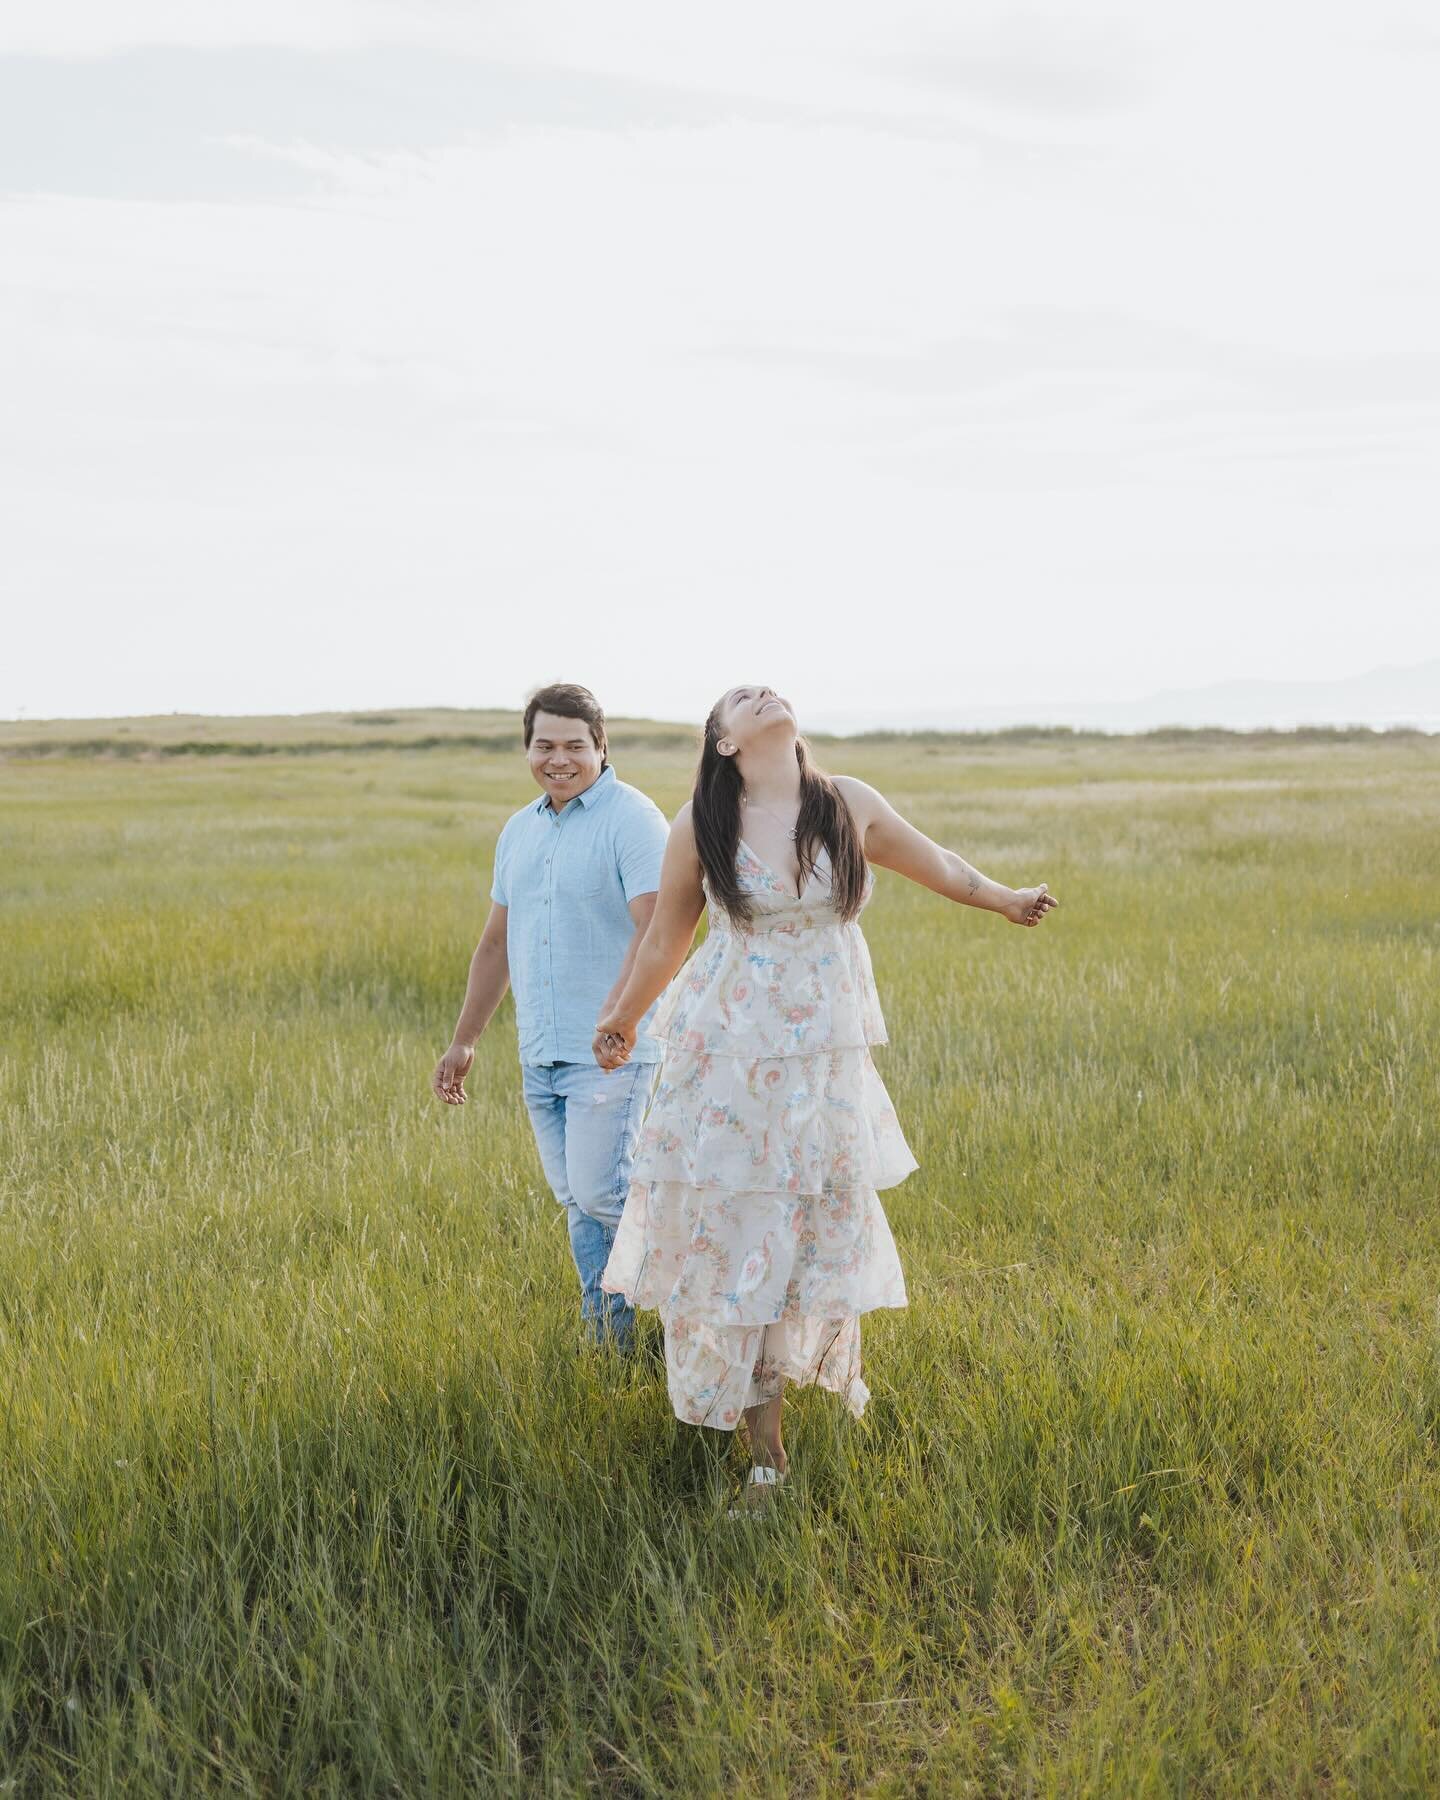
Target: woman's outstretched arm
[[892, 842], [667, 941]]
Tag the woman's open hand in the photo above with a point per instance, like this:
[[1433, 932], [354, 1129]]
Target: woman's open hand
[[1030, 905], [614, 1040]]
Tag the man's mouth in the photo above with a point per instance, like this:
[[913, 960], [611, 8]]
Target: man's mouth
[[560, 774]]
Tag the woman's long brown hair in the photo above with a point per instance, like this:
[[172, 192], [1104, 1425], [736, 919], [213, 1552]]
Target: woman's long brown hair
[[824, 819]]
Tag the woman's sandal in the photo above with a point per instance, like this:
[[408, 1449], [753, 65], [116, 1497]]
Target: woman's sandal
[[759, 1476]]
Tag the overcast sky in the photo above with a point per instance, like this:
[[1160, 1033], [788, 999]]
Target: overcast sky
[[368, 352]]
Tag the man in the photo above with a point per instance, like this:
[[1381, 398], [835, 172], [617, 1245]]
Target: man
[[576, 873]]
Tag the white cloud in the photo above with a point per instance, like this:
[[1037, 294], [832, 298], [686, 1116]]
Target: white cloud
[[1098, 353]]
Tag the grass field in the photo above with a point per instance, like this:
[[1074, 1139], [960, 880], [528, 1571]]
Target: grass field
[[305, 1488]]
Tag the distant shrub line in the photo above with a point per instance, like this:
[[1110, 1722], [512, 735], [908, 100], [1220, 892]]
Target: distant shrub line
[[148, 747], [133, 748]]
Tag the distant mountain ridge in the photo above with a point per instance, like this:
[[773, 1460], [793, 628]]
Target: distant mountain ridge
[[1379, 698]]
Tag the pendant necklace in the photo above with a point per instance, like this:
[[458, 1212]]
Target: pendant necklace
[[744, 801]]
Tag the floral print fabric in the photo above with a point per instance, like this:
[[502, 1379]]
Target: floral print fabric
[[753, 1222]]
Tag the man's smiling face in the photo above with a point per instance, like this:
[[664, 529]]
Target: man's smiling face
[[564, 758]]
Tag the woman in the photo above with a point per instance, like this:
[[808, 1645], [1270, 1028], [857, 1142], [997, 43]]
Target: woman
[[753, 1221]]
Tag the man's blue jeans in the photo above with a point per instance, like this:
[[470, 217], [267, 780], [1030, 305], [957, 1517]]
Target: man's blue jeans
[[587, 1126]]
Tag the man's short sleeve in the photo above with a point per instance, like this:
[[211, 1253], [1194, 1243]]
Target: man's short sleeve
[[642, 840], [499, 886]]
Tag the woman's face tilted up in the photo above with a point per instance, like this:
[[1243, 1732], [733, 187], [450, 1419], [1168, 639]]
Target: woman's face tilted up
[[750, 714]]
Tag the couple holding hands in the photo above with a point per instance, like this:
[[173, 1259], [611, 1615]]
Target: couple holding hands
[[716, 1129]]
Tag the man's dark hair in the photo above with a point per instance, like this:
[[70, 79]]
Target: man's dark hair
[[567, 701]]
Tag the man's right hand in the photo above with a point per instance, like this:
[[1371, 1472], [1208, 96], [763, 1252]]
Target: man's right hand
[[614, 1040], [448, 1080]]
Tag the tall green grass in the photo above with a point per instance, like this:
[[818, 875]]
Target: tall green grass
[[306, 1488]]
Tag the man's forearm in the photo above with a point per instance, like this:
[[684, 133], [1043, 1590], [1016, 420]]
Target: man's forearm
[[485, 989], [618, 988], [970, 888]]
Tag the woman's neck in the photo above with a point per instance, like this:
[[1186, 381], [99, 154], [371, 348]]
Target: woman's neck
[[772, 776]]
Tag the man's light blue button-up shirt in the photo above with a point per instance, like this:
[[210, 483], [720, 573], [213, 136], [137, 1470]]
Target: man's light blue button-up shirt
[[567, 879]]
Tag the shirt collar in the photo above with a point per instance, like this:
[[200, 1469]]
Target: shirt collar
[[597, 790]]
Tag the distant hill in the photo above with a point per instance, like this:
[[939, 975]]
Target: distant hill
[[225, 734], [1381, 700]]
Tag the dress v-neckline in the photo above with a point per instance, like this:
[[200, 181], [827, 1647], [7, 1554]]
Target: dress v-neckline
[[771, 870]]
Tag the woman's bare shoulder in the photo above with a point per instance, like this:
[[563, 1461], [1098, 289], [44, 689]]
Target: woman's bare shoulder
[[863, 800], [682, 853]]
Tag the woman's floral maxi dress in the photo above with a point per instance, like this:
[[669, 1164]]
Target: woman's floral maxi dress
[[753, 1222]]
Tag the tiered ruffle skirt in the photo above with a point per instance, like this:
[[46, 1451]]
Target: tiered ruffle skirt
[[753, 1222]]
